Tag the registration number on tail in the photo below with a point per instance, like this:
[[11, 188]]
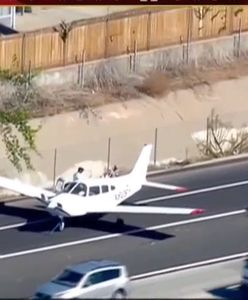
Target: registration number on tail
[[122, 194]]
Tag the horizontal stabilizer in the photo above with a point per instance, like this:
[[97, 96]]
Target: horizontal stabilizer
[[165, 186], [148, 210], [25, 189]]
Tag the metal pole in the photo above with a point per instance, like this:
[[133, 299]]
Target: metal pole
[[239, 37], [29, 72], [13, 17], [108, 159], [135, 55], [188, 36], [79, 70], [54, 167], [83, 68], [186, 154], [155, 145], [234, 46], [207, 136], [130, 63]]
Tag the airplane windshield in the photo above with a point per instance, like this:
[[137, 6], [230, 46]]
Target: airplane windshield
[[69, 186], [77, 188]]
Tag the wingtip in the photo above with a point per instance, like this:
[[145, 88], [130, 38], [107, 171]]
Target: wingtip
[[197, 211]]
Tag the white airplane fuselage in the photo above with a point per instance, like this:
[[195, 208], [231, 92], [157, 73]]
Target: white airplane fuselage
[[123, 188]]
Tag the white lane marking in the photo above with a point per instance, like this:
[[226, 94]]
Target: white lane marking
[[116, 235], [12, 226], [194, 192], [188, 266]]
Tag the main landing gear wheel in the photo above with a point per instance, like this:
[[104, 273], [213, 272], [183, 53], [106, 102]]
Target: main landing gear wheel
[[60, 225], [119, 222]]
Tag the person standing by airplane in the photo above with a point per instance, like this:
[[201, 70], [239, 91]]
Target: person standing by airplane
[[79, 175], [114, 172], [111, 172]]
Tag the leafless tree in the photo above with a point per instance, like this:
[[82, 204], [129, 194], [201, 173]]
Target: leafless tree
[[64, 30], [222, 139]]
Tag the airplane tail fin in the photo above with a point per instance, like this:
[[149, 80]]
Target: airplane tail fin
[[139, 173], [141, 165]]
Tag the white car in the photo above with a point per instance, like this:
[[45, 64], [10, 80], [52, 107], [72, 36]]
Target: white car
[[100, 279]]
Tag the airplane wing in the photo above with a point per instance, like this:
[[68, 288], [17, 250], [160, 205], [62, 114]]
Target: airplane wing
[[25, 189], [138, 209], [165, 186]]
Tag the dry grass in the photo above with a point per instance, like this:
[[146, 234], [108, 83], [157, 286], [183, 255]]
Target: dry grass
[[107, 84], [158, 84]]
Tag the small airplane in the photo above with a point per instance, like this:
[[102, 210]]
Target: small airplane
[[99, 195]]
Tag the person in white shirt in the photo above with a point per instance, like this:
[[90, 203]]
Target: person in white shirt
[[79, 175]]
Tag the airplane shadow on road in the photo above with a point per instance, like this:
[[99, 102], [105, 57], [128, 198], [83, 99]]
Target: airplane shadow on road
[[228, 292], [91, 222], [28, 214]]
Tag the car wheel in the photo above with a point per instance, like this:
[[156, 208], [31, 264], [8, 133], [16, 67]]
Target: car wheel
[[119, 295]]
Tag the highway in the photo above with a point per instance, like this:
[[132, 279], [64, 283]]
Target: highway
[[218, 281], [30, 254]]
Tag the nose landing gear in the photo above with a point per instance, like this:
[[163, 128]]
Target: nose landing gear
[[60, 225]]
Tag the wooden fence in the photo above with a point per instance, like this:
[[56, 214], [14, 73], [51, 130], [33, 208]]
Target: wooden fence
[[118, 34]]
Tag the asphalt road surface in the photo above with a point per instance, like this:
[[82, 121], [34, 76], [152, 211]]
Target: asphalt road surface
[[218, 281], [30, 254]]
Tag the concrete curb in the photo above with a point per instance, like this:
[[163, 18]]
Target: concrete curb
[[189, 266], [205, 164]]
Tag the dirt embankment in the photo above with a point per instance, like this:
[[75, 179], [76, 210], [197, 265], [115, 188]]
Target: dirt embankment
[[107, 89]]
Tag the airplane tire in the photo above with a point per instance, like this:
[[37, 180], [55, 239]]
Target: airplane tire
[[61, 226]]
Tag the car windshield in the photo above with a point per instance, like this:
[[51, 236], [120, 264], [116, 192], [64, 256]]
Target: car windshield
[[69, 278]]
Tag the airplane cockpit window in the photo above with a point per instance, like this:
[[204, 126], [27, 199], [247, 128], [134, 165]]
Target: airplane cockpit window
[[94, 190], [112, 187], [79, 189], [105, 188], [69, 186]]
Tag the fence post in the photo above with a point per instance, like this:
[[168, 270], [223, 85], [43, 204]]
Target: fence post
[[108, 157], [23, 56], [106, 37], [54, 167], [148, 46], [155, 145]]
